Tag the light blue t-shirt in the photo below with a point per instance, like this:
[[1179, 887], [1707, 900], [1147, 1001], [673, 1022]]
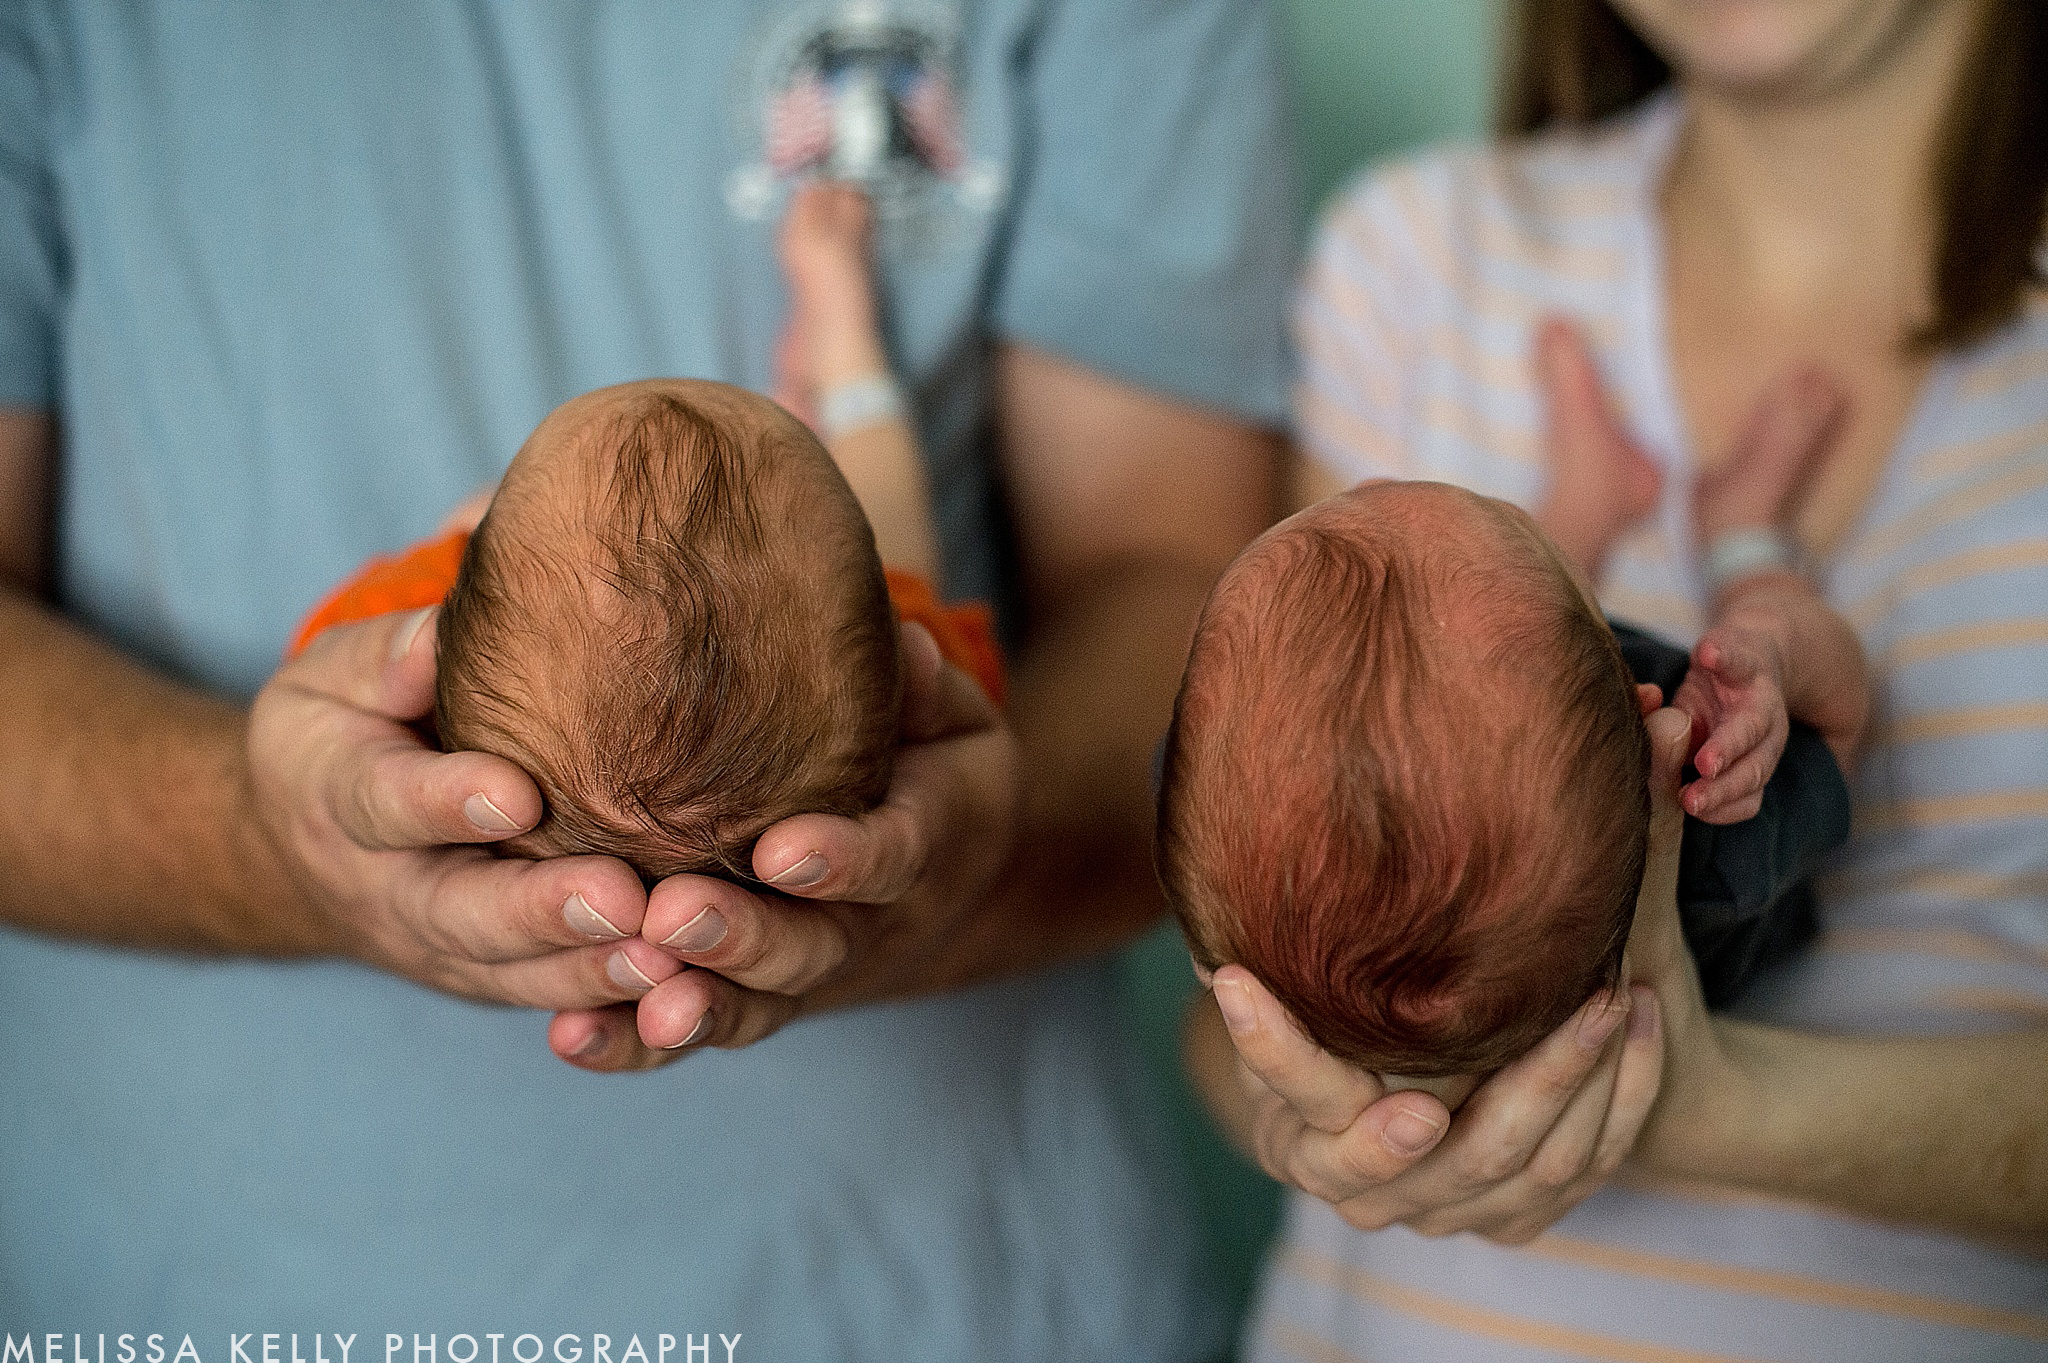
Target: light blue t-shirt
[[297, 276]]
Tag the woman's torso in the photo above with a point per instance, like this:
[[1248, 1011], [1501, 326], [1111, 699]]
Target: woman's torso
[[1415, 329]]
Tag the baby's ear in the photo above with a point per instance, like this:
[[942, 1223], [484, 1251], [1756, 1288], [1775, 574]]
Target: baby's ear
[[1669, 741], [918, 662], [918, 655]]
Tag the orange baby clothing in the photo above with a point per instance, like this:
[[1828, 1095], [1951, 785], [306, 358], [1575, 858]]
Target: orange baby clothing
[[422, 575], [965, 630], [418, 578]]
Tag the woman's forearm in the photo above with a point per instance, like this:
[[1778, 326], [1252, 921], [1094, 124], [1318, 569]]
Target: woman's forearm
[[1948, 1132]]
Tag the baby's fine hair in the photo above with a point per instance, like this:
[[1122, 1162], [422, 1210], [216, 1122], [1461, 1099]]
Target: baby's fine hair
[[1406, 789], [683, 633]]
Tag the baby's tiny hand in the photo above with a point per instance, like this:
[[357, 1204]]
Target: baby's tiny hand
[[826, 240], [1735, 695]]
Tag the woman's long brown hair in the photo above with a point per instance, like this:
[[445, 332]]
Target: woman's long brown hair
[[1574, 62]]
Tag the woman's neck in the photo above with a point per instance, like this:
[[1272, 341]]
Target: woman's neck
[[1820, 199]]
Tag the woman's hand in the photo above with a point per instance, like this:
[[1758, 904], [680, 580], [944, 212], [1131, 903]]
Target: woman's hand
[[1534, 1139], [862, 908]]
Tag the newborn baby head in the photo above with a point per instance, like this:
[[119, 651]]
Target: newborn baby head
[[674, 618], [1406, 783]]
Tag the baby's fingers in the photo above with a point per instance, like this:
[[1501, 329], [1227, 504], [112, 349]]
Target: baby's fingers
[[1734, 795], [1732, 661], [1741, 732]]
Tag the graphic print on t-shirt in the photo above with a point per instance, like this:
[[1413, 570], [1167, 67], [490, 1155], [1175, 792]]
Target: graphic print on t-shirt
[[864, 91]]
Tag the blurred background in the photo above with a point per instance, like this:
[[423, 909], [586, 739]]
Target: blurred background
[[1372, 79]]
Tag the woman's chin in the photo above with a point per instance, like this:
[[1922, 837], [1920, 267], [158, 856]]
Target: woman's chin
[[1772, 50]]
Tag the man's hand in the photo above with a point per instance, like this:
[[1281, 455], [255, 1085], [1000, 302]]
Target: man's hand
[[865, 908], [1531, 1142], [141, 812], [384, 837]]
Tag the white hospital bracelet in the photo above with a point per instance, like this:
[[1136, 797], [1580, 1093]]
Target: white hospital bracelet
[[1745, 553], [862, 403]]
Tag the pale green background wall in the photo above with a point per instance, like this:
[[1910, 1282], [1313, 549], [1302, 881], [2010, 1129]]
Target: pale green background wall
[[1372, 78]]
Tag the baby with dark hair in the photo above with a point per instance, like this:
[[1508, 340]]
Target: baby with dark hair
[[673, 613], [675, 618], [1406, 780]]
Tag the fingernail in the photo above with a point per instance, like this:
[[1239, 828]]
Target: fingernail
[[1642, 1017], [1599, 1024], [701, 933], [401, 642], [625, 974], [703, 1025], [806, 873], [487, 817], [590, 1047], [576, 911], [1411, 1133], [1234, 1001]]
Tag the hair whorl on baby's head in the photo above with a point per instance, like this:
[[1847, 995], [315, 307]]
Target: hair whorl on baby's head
[[1406, 782], [674, 618]]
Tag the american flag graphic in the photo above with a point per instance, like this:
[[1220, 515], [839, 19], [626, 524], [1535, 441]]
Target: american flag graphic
[[934, 122], [800, 126]]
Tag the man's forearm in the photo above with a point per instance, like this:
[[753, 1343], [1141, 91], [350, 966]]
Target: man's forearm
[[1090, 701], [1128, 506], [123, 804], [1949, 1132]]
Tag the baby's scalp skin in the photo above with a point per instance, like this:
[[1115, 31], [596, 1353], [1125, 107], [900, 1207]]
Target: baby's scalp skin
[[673, 616], [1405, 781]]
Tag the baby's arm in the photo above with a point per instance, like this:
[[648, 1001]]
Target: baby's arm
[[836, 371], [1776, 652]]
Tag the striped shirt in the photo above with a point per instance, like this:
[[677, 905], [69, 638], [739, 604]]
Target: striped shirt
[[1415, 326]]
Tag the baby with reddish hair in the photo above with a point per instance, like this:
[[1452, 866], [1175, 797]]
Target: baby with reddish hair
[[1406, 780]]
